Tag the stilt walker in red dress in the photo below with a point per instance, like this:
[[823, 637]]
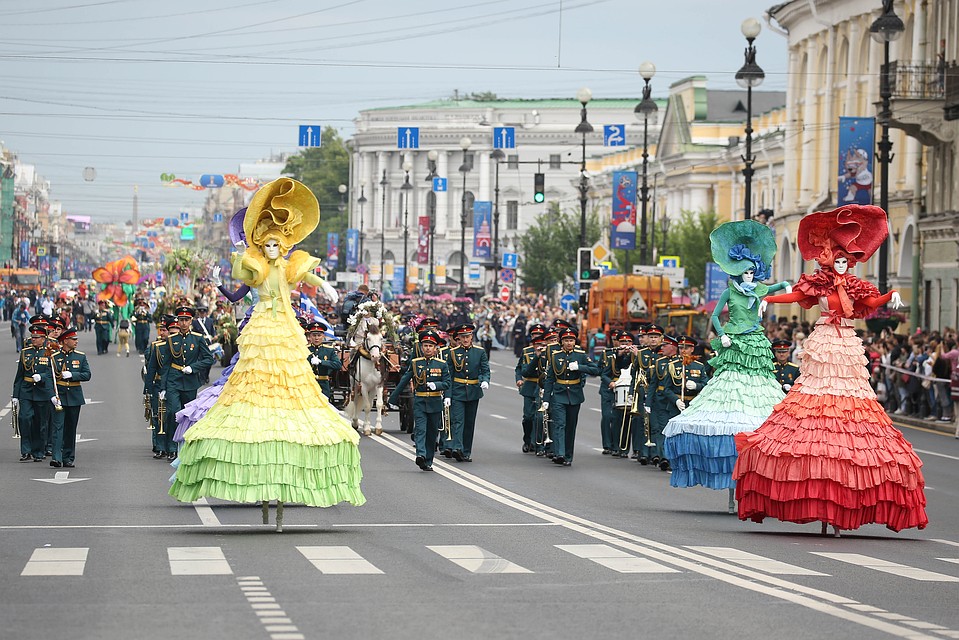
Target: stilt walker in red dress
[[829, 452]]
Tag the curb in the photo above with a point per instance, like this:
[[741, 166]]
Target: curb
[[933, 425]]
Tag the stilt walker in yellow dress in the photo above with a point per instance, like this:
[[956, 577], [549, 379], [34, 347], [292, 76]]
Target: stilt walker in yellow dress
[[272, 434]]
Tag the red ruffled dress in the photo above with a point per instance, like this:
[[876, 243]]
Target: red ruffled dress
[[829, 452]]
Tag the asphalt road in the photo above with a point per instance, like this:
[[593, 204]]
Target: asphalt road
[[508, 546]]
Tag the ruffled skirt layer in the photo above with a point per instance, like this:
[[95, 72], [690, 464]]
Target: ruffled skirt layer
[[829, 452], [742, 393], [192, 411], [271, 434]]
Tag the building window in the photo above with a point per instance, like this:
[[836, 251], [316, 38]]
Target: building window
[[512, 215], [512, 162], [555, 161]]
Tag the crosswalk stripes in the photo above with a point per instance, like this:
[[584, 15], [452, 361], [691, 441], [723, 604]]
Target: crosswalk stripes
[[615, 559], [198, 561], [56, 561], [476, 559], [746, 559], [885, 566], [338, 560]]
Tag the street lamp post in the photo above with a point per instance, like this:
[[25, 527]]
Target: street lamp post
[[643, 110], [885, 29], [749, 75], [497, 157], [406, 188], [464, 168], [664, 223], [584, 95], [362, 202], [431, 157], [342, 209], [383, 184]]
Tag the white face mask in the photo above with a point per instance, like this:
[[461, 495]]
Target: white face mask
[[840, 265], [272, 249], [748, 276]]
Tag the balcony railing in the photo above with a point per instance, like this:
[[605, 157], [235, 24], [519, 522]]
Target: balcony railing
[[917, 81]]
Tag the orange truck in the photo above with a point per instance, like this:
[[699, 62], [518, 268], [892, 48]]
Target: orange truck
[[20, 279]]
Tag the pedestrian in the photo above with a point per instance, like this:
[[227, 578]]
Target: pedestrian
[[470, 370], [70, 368], [123, 334], [563, 393]]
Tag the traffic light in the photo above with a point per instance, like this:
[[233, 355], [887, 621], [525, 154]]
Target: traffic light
[[539, 187], [585, 271]]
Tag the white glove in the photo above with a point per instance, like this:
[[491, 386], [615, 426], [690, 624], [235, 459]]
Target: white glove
[[162, 395], [187, 369], [762, 307], [649, 409], [314, 361], [484, 385], [215, 276], [787, 387], [56, 401], [240, 246], [329, 292], [726, 341], [690, 385], [66, 375], [789, 288], [545, 406], [681, 405], [431, 386], [15, 403], [446, 402], [896, 300], [574, 366], [36, 377]]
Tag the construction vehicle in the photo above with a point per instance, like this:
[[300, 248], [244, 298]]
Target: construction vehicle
[[687, 320], [21, 280]]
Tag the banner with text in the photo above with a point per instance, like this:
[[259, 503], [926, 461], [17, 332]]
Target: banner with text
[[423, 243], [857, 137], [352, 248], [623, 218], [482, 226]]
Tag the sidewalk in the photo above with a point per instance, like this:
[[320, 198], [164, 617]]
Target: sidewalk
[[934, 425]]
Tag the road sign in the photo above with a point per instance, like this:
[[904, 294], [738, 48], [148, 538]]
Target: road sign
[[310, 135], [669, 261], [184, 216], [676, 275], [504, 293], [507, 275], [636, 305], [408, 137], [510, 261], [504, 137], [211, 181], [716, 280], [475, 273], [439, 184], [566, 302], [41, 251], [614, 135], [600, 253]]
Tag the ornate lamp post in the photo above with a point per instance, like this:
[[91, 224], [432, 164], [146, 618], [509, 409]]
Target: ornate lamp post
[[584, 95], [749, 75], [362, 202], [383, 184], [431, 157], [464, 169], [642, 111], [406, 188], [497, 156], [340, 257]]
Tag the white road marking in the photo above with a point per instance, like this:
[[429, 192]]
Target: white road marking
[[935, 453], [955, 560], [615, 559], [498, 416], [598, 410], [756, 562], [476, 559], [205, 511], [198, 561], [885, 566], [338, 560], [61, 477], [949, 542], [50, 561], [82, 439]]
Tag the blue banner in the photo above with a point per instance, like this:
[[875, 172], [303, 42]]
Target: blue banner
[[399, 279], [857, 138], [352, 248], [482, 229], [332, 249], [623, 218], [716, 281]]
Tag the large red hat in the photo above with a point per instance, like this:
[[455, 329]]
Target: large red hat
[[856, 230]]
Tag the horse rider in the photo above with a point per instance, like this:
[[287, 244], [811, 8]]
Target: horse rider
[[324, 360], [563, 393], [469, 367]]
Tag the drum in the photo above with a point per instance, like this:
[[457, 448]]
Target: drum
[[622, 395]]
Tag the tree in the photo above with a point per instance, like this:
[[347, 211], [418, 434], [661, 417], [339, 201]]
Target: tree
[[688, 238], [549, 247], [323, 169]]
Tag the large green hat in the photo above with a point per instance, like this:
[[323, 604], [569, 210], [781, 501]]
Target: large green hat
[[742, 245]]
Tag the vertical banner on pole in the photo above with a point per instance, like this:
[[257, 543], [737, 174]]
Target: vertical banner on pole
[[482, 225], [623, 218], [423, 241], [332, 249], [857, 139], [352, 248]]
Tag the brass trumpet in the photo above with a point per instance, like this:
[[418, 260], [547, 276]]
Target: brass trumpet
[[161, 416], [447, 424]]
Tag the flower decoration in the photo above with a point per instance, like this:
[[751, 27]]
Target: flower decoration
[[118, 280], [377, 311]]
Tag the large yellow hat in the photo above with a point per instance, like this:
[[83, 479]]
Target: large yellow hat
[[284, 208]]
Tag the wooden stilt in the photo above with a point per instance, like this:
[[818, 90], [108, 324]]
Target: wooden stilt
[[279, 517], [266, 512]]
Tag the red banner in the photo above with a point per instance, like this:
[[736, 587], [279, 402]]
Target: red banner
[[423, 245]]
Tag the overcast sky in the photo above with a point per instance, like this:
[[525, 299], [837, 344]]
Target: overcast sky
[[136, 88]]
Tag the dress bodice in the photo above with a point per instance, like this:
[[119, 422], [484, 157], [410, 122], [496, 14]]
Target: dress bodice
[[743, 318]]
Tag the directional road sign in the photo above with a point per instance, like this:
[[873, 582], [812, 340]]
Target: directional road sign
[[510, 260], [614, 135], [669, 261], [504, 137], [566, 302], [507, 275], [211, 181], [439, 184], [310, 135], [504, 293], [408, 137]]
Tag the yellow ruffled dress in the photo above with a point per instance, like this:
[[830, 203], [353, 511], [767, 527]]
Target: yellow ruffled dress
[[272, 434]]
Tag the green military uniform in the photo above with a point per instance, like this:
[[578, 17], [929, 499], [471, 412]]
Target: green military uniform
[[141, 329], [431, 387], [666, 389], [34, 396], [644, 363], [156, 358], [103, 324], [70, 368], [325, 361], [564, 393], [470, 371], [786, 372], [529, 390]]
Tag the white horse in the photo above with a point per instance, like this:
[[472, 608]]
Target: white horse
[[366, 377]]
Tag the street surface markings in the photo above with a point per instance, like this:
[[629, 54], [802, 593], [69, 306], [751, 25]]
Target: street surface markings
[[476, 559], [198, 561], [48, 561], [956, 560], [599, 411], [888, 567], [498, 416], [338, 560], [205, 512], [949, 542], [753, 561], [935, 453], [264, 605], [615, 559]]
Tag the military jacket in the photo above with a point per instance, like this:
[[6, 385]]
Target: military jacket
[[329, 361], [33, 361], [562, 385], [157, 357], [140, 320], [531, 381], [422, 371], [611, 366], [103, 319], [786, 373], [694, 372], [70, 391], [190, 350], [468, 368], [666, 383]]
